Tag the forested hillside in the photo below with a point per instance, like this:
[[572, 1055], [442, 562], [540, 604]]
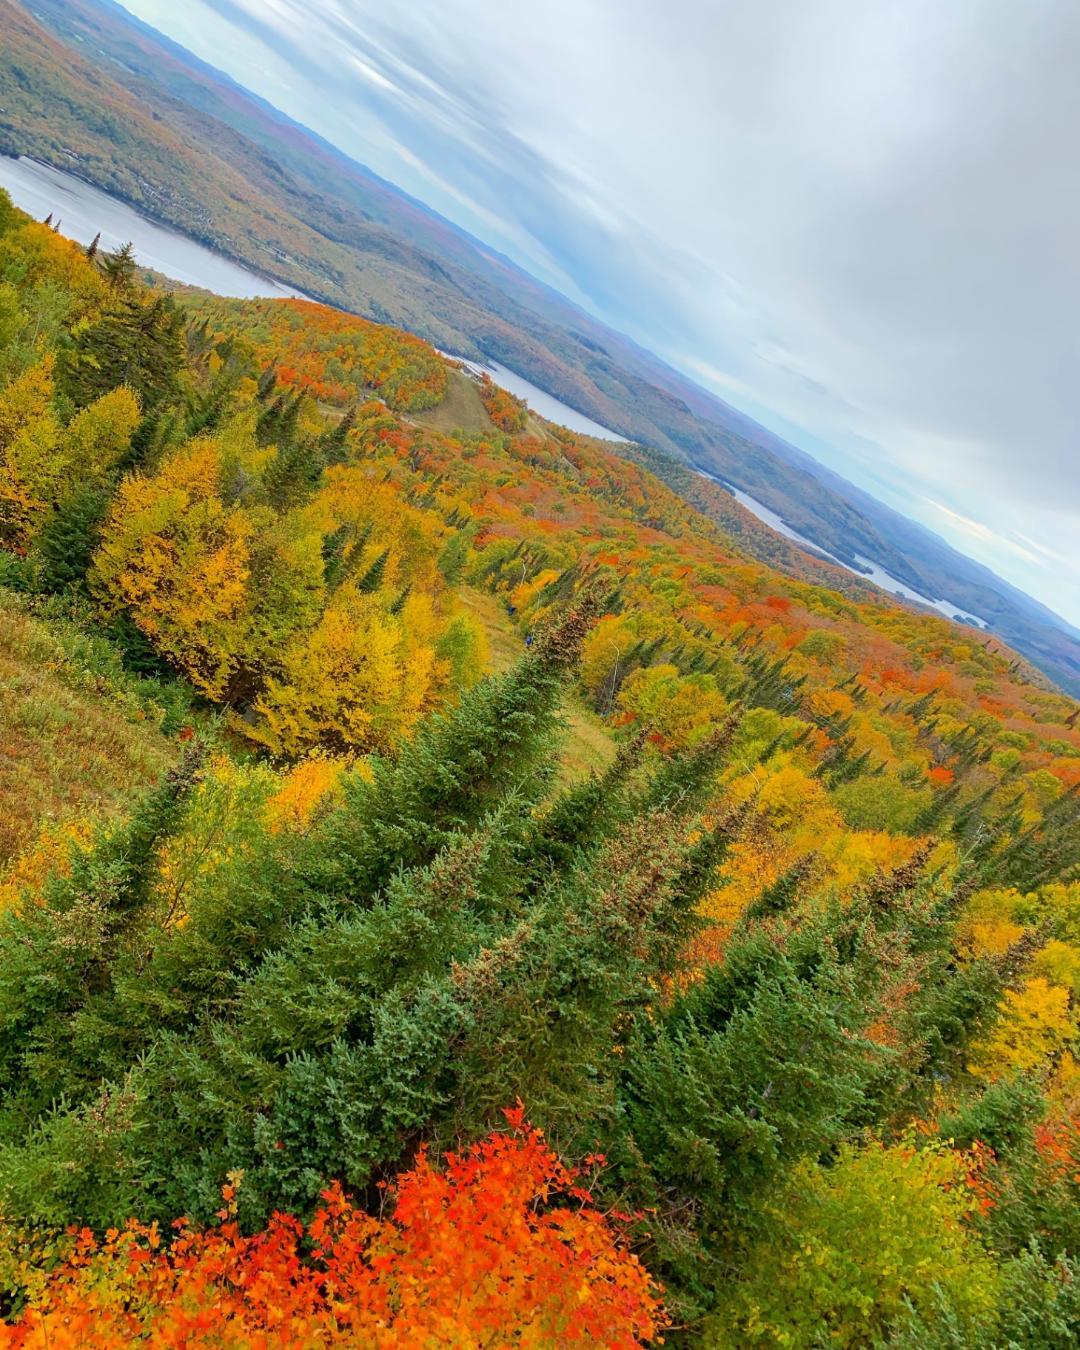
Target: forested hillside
[[341, 1004], [125, 108]]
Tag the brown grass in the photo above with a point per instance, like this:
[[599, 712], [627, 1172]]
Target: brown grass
[[66, 751], [460, 410]]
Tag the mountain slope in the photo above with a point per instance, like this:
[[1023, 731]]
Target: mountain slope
[[797, 893], [142, 118]]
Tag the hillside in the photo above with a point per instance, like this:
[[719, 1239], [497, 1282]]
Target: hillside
[[79, 740], [143, 119], [541, 922]]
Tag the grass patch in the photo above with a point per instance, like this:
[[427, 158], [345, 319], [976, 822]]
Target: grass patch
[[77, 736], [461, 410]]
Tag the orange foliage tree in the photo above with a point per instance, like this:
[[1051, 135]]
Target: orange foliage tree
[[502, 1246]]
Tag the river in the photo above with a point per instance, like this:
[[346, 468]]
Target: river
[[867, 569], [84, 211]]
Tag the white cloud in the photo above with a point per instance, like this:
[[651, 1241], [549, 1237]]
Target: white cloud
[[857, 219]]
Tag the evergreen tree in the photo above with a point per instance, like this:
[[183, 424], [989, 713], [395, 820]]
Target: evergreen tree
[[60, 953], [334, 442], [119, 267], [67, 542], [372, 578], [134, 343], [292, 475]]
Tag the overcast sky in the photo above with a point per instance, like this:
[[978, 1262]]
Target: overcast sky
[[857, 220]]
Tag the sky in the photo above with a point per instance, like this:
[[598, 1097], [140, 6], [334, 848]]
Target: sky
[[856, 220]]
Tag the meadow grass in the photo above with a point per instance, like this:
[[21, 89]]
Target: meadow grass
[[77, 736]]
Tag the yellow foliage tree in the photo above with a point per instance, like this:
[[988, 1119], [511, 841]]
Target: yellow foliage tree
[[679, 708], [1036, 1021], [357, 682], [177, 559], [99, 437], [29, 464], [376, 512], [304, 788], [1059, 962], [51, 852]]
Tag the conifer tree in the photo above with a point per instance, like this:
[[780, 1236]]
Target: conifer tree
[[134, 343], [60, 953], [372, 578], [66, 544], [334, 442], [119, 267]]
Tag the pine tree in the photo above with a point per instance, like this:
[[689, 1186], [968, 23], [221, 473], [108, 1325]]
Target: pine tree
[[293, 475], [119, 267], [66, 544], [133, 343], [372, 578], [456, 770], [61, 951], [778, 897], [334, 442]]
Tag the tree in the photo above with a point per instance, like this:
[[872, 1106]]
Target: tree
[[372, 578], [355, 682], [858, 1247], [118, 266], [137, 342], [1036, 1022], [29, 464], [65, 547], [178, 561], [501, 1242], [98, 439]]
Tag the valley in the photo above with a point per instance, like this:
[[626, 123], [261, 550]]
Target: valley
[[233, 173], [496, 850]]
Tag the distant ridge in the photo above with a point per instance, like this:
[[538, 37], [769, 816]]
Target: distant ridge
[[196, 150]]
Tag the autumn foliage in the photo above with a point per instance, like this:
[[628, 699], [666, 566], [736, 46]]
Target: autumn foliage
[[500, 1245], [797, 947], [508, 412]]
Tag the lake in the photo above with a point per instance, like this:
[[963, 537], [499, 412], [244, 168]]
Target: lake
[[84, 211], [547, 405], [867, 569]]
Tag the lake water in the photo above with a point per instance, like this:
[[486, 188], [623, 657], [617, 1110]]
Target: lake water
[[84, 211], [867, 569], [547, 405]]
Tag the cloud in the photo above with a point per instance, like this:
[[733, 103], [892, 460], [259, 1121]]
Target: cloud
[[856, 221]]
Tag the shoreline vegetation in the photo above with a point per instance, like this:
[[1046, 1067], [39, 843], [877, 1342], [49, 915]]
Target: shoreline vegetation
[[155, 125]]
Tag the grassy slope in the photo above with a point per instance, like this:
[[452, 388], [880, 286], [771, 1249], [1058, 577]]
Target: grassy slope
[[587, 746], [460, 410], [74, 742]]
